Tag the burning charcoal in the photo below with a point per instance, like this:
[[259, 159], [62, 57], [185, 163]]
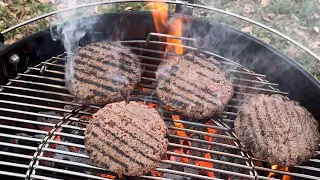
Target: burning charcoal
[[164, 165], [69, 107], [198, 145], [179, 177], [22, 142], [29, 143], [191, 170], [226, 159], [48, 120], [175, 177], [74, 132], [70, 158]]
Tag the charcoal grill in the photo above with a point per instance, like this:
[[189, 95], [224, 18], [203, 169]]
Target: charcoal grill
[[41, 127]]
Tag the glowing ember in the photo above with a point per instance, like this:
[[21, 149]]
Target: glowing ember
[[54, 146], [151, 105], [182, 142], [86, 117], [276, 167], [106, 176], [207, 155], [210, 130], [179, 159], [156, 173], [74, 149], [161, 20], [206, 164]]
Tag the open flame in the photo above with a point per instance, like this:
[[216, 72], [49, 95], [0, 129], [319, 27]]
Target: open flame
[[163, 24], [277, 167]]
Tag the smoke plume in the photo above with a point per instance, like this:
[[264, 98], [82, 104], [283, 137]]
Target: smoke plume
[[70, 28]]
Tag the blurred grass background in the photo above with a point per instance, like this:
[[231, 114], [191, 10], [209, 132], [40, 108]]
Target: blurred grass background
[[298, 19]]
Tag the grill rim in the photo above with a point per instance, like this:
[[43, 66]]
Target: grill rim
[[179, 2], [61, 122]]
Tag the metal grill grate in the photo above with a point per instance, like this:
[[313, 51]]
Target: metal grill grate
[[41, 128]]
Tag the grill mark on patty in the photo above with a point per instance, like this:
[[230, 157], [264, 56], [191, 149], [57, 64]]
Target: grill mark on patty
[[88, 70], [127, 70], [277, 116], [98, 93], [181, 96], [101, 70], [110, 157], [83, 55], [123, 60], [128, 132], [107, 79], [121, 53], [119, 151], [200, 60], [213, 80], [84, 80], [286, 114], [191, 84], [90, 65], [256, 112], [121, 67], [111, 84], [124, 142], [254, 134], [202, 65], [194, 93], [105, 47], [172, 100], [94, 134], [261, 125], [133, 124], [297, 112]]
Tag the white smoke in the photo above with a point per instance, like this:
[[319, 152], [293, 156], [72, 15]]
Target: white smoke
[[70, 28]]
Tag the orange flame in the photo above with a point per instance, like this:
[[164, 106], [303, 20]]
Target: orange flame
[[161, 21], [277, 167]]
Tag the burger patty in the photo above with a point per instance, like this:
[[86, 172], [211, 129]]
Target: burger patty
[[104, 72], [193, 86], [277, 130], [127, 139]]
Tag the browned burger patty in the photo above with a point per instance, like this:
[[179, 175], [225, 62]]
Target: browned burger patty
[[128, 139], [104, 72], [277, 130], [193, 86]]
